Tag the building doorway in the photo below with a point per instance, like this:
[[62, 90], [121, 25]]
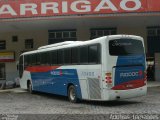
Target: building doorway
[[2, 71], [153, 41]]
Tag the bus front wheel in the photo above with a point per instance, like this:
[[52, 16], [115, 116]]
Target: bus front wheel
[[72, 95], [30, 87]]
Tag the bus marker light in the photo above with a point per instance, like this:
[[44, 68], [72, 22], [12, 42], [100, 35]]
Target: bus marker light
[[108, 74], [108, 78]]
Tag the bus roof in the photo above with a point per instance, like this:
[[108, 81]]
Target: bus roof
[[67, 44], [58, 44]]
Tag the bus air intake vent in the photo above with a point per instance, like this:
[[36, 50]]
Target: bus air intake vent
[[94, 88]]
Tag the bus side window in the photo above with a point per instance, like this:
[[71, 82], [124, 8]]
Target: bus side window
[[84, 54], [34, 59], [60, 57], [74, 55], [94, 54], [67, 56], [43, 58], [38, 59], [28, 60], [54, 57], [48, 58]]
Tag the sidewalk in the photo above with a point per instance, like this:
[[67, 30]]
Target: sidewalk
[[153, 83]]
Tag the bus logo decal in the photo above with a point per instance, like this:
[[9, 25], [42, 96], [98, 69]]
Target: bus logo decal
[[131, 74]]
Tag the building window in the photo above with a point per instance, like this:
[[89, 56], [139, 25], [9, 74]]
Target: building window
[[153, 31], [14, 38], [153, 40], [56, 36], [29, 43], [2, 71], [2, 45], [99, 32]]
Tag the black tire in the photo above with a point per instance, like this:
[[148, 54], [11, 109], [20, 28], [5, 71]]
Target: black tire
[[14, 85], [30, 88], [72, 94]]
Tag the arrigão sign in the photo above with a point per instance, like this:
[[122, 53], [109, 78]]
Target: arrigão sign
[[38, 8]]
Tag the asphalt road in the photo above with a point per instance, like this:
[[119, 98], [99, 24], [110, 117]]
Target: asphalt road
[[16, 102]]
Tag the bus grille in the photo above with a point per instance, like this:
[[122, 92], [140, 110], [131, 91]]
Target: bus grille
[[94, 88]]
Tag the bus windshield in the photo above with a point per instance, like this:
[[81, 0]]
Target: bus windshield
[[124, 47]]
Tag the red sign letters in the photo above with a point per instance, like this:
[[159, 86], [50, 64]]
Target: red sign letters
[[39, 8]]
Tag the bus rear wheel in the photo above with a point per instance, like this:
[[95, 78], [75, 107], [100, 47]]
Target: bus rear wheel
[[72, 95]]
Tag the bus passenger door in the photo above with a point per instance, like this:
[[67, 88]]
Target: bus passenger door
[[20, 66]]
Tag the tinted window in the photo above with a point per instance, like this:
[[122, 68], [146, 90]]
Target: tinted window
[[74, 57], [34, 59], [48, 57], [125, 47], [94, 55], [44, 58], [38, 59], [60, 56], [29, 57], [67, 56], [53, 57], [84, 54]]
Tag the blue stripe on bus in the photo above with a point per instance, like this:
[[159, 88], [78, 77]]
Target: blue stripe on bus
[[56, 81], [129, 60]]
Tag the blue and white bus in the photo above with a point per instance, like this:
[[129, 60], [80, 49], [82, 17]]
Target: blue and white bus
[[107, 68]]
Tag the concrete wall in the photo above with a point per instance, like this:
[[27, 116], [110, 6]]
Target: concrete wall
[[40, 38], [83, 33]]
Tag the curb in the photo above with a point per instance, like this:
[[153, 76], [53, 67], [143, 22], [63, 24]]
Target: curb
[[15, 90]]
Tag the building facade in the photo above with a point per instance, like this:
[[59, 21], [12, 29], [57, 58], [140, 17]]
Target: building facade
[[28, 24]]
